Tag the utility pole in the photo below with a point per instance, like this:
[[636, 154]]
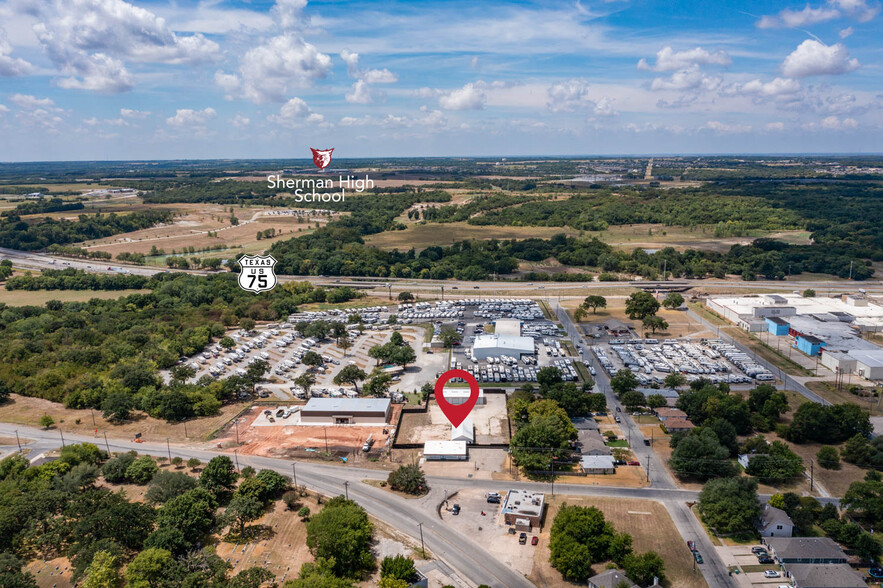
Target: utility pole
[[106, 444], [422, 546], [236, 457], [346, 489], [236, 424], [92, 412], [185, 430], [850, 269], [17, 440], [169, 449], [62, 438], [294, 474], [326, 439]]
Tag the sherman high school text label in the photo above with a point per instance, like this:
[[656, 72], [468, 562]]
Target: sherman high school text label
[[306, 189]]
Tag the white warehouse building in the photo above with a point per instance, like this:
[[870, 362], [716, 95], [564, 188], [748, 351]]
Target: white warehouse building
[[496, 345]]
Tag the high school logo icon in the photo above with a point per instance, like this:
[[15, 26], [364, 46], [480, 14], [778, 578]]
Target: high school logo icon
[[321, 157], [257, 273]]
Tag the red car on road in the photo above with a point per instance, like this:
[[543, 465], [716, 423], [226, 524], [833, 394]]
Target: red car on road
[[634, 463]]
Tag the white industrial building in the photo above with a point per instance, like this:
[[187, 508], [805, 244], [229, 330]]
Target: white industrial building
[[437, 450], [496, 345], [465, 431], [461, 395], [510, 327]]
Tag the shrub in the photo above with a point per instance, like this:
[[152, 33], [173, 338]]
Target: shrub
[[828, 457], [408, 479], [142, 470], [114, 469]]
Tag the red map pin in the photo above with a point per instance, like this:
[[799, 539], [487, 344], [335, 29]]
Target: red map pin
[[456, 413]]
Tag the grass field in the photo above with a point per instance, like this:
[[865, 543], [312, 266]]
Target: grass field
[[646, 521], [24, 410], [40, 297]]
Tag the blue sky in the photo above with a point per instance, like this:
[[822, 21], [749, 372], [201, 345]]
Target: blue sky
[[116, 79]]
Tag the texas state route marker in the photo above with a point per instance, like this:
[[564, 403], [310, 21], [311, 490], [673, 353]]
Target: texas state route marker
[[456, 413]]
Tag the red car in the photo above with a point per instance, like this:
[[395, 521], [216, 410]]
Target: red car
[[634, 463], [691, 545], [535, 540]]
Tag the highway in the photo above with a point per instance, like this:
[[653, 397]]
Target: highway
[[449, 288]]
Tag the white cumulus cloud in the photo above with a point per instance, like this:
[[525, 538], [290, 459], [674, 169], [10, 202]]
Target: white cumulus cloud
[[90, 41], [667, 59], [812, 58], [189, 118], [9, 65], [295, 113], [687, 79], [469, 97]]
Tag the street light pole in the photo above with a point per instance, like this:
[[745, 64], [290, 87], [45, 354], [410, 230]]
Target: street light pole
[[17, 440], [62, 437], [236, 457], [106, 444], [346, 489], [294, 474], [169, 449], [92, 412]]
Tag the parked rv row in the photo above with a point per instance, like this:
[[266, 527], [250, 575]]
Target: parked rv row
[[741, 360]]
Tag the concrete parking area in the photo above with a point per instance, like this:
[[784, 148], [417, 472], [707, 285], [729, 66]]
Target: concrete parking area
[[491, 422]]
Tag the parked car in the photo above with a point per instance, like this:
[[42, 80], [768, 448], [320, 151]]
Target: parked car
[[765, 559], [522, 539], [634, 463], [534, 540], [698, 557], [691, 545], [771, 574], [758, 550], [456, 510]]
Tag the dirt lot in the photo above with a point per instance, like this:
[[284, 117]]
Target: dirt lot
[[281, 439], [491, 423], [24, 410], [646, 521]]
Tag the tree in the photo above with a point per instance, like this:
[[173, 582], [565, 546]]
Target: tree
[[656, 401], [11, 574], [114, 469], [643, 568], [46, 421], [580, 314], [142, 470], [152, 568], [350, 374], [449, 336], [312, 359], [303, 512], [405, 297], [246, 324], [166, 485], [253, 577], [177, 461], [409, 479], [117, 406], [549, 376], [305, 381], [181, 373], [809, 293], [243, 509], [218, 475], [778, 464], [632, 400], [193, 463], [654, 323], [226, 342], [568, 395], [345, 344], [828, 457], [673, 300], [273, 484], [595, 302], [856, 450], [341, 534], [171, 539], [103, 572], [729, 505], [81, 453], [623, 381], [378, 385], [192, 513], [700, 455], [399, 567], [640, 305], [580, 537], [674, 380]]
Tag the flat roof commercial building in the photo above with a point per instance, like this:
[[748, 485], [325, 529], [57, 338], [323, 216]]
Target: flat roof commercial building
[[437, 450], [524, 509], [346, 411], [461, 395], [496, 345], [510, 327]]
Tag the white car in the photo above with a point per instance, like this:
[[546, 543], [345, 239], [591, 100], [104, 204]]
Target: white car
[[771, 574]]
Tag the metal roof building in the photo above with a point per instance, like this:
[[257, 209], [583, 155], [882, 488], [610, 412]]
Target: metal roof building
[[346, 411], [496, 345], [436, 450]]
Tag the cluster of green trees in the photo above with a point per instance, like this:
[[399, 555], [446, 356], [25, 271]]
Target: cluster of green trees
[[73, 279], [828, 424], [543, 434], [42, 206], [56, 510], [409, 479], [858, 450], [71, 251], [17, 234], [106, 354], [462, 212], [397, 351], [581, 537]]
